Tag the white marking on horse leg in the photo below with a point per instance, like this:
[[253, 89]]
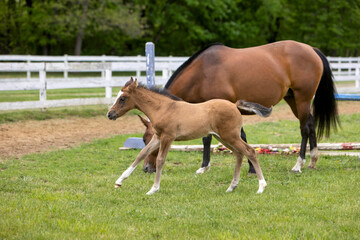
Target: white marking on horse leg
[[124, 176], [299, 164], [203, 169], [314, 156], [233, 185], [153, 190], [262, 186]]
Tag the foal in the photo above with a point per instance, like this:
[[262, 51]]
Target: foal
[[179, 120]]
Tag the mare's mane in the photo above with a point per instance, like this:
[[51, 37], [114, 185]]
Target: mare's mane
[[187, 63], [163, 92]]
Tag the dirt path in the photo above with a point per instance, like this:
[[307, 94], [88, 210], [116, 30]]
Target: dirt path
[[20, 138]]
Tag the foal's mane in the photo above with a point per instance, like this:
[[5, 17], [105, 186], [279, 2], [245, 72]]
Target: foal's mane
[[161, 91], [187, 63]]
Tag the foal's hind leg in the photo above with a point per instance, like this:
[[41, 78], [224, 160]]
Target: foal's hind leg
[[235, 181], [152, 146], [240, 148], [165, 143]]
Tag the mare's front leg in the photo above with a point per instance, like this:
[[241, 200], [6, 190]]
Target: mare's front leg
[[152, 146], [165, 143], [205, 166]]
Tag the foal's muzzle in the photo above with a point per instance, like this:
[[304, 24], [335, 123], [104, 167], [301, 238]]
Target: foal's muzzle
[[112, 115]]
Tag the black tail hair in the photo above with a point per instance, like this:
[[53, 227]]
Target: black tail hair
[[324, 105], [254, 107]]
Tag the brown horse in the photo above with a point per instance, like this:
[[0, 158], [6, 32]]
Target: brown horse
[[174, 120], [265, 74]]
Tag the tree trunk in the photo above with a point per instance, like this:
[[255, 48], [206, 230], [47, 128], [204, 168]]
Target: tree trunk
[[79, 39], [82, 25]]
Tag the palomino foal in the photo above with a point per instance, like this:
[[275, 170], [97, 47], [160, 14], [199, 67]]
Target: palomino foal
[[179, 120]]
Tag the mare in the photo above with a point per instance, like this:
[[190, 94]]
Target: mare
[[265, 75], [171, 122]]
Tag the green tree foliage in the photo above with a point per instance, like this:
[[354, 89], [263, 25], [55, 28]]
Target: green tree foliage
[[121, 27]]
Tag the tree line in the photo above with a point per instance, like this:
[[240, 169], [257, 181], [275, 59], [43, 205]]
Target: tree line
[[179, 28]]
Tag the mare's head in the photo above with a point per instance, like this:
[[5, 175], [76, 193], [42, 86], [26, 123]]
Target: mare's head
[[123, 102], [149, 161]]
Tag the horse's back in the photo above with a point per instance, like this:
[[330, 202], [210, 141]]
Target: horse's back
[[262, 74]]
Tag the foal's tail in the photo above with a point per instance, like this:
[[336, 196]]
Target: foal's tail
[[254, 108], [324, 105]]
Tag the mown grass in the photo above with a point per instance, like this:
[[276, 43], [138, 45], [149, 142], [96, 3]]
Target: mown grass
[[69, 194], [54, 94]]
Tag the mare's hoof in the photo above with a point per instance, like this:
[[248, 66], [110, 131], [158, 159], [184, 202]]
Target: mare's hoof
[[203, 170], [117, 185], [312, 167], [295, 171]]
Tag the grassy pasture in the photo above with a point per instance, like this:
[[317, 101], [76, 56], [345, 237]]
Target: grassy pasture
[[69, 194]]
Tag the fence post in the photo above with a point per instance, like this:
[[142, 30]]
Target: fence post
[[28, 73], [42, 92], [138, 72], [357, 77], [103, 62], [108, 88], [150, 64], [66, 66]]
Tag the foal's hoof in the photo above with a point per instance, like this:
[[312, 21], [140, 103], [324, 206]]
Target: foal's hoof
[[152, 191], [117, 185], [312, 167], [262, 186], [295, 170]]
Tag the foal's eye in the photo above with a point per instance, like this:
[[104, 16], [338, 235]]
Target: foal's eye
[[122, 99]]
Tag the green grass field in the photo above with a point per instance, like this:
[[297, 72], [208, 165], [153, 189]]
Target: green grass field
[[69, 194]]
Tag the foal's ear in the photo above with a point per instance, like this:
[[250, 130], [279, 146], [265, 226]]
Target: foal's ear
[[133, 85]]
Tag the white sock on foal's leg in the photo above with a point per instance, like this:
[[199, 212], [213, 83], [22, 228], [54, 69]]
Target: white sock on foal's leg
[[153, 190], [124, 176], [232, 186], [262, 185]]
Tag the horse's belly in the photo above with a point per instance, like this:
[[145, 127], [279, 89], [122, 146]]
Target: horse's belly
[[193, 122]]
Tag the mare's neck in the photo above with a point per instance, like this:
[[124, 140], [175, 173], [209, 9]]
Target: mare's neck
[[150, 103]]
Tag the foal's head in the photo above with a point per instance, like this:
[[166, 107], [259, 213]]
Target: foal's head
[[123, 102]]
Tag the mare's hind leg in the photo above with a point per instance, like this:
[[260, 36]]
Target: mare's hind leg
[[152, 146], [205, 166], [301, 109], [314, 155], [240, 148], [251, 167]]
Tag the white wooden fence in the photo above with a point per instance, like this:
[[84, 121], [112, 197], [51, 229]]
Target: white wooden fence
[[344, 69], [106, 65]]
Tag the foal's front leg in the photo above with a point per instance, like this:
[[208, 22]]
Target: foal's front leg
[[165, 143], [153, 145]]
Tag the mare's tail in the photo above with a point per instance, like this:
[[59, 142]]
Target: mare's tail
[[324, 105], [254, 108]]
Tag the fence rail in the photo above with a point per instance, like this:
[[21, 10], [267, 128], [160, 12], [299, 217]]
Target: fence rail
[[344, 69]]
